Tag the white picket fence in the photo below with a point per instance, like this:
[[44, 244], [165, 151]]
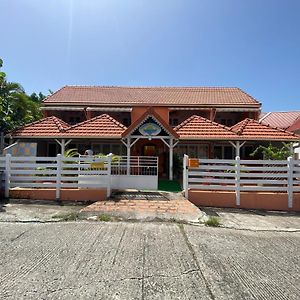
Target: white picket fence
[[79, 172], [242, 175]]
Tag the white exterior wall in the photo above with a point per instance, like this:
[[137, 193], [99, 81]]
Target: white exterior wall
[[122, 182]]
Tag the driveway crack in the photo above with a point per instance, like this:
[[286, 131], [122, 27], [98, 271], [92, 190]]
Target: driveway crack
[[191, 249], [118, 247]]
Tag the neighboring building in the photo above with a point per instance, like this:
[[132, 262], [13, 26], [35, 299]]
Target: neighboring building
[[287, 120], [204, 122]]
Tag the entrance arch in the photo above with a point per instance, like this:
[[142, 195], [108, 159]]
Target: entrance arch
[[150, 127]]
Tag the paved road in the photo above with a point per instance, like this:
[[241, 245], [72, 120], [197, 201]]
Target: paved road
[[87, 260]]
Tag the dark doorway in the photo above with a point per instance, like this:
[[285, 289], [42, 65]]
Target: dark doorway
[[149, 150]]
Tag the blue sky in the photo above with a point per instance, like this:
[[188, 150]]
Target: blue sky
[[252, 44]]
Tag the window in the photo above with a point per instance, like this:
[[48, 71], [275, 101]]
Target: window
[[74, 120], [223, 152], [194, 151], [126, 122], [173, 122], [227, 122]]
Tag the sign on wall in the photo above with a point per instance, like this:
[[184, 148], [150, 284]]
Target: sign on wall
[[151, 129]]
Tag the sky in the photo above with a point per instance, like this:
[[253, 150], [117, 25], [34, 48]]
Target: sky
[[251, 44]]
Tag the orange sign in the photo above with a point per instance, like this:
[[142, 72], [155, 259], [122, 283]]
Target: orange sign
[[193, 163]]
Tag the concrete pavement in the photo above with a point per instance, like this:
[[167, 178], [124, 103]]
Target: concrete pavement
[[98, 260]]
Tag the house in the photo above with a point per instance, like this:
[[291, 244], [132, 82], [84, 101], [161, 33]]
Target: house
[[203, 122]]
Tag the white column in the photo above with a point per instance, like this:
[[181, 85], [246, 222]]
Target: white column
[[290, 177], [128, 155], [238, 149], [238, 181], [58, 176], [62, 146], [7, 174], [109, 159], [185, 176], [171, 160]]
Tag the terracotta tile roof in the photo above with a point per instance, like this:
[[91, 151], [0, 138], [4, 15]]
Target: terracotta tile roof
[[280, 119], [98, 127], [148, 113], [200, 128], [102, 126], [250, 129], [139, 96], [48, 127]]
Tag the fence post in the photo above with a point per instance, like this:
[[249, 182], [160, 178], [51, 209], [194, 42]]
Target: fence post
[[58, 176], [290, 178], [7, 174], [238, 180], [185, 176], [109, 159]]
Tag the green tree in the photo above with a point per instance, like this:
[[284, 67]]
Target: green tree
[[16, 108], [37, 98], [274, 153]]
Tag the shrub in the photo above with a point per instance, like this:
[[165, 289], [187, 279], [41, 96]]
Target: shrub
[[104, 218], [67, 217], [213, 222]]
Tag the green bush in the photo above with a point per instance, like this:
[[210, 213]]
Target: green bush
[[104, 218], [213, 222]]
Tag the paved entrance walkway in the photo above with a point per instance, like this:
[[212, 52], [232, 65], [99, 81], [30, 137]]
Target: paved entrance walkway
[[146, 205]]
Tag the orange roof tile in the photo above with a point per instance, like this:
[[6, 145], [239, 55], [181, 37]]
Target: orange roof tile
[[250, 129], [200, 128], [98, 127], [150, 96], [47, 127]]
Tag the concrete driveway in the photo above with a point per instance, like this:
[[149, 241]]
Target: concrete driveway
[[98, 260]]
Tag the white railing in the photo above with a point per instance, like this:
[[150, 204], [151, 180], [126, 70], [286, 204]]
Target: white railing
[[56, 172], [135, 165], [79, 172], [242, 175]]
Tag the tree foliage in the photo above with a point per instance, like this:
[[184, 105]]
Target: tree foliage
[[17, 108], [272, 152]]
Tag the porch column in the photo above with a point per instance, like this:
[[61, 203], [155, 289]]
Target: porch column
[[128, 156], [62, 147], [171, 160], [238, 149], [237, 145]]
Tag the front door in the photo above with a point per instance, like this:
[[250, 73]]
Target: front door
[[149, 150]]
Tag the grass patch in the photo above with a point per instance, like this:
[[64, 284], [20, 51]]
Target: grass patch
[[169, 186], [213, 222], [104, 218], [67, 217]]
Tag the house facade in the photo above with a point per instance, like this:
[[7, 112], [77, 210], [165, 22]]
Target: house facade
[[203, 122]]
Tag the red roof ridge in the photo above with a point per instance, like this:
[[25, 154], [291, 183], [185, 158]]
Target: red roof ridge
[[57, 121], [54, 93], [242, 124], [98, 117], [202, 118], [248, 95], [151, 87]]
